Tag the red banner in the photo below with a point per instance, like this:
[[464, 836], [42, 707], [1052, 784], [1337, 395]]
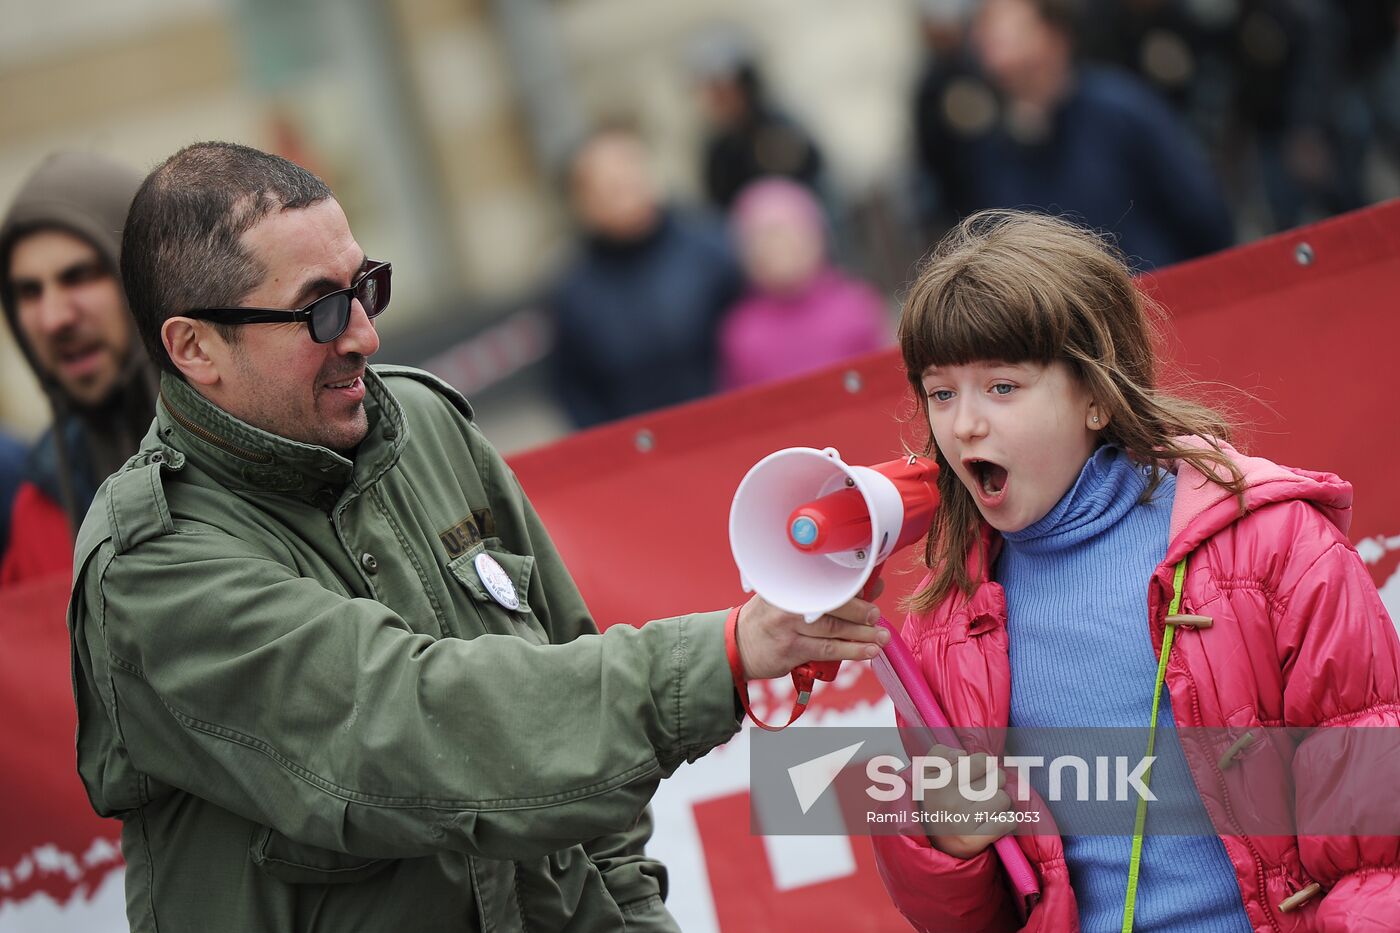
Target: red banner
[[1305, 323], [60, 865]]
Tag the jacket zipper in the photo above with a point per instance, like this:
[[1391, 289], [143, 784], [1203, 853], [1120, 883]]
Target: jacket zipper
[[212, 438]]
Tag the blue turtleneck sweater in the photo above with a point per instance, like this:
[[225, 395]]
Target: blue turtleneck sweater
[[1081, 656]]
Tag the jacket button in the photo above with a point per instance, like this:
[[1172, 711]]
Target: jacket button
[[1299, 898], [368, 561], [1243, 742], [156, 457]]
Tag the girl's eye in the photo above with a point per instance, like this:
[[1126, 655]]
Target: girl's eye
[[1003, 388], [941, 395]]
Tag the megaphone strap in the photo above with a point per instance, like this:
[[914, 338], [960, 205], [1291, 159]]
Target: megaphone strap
[[802, 678]]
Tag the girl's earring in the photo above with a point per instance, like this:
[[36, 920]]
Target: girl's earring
[[1096, 419]]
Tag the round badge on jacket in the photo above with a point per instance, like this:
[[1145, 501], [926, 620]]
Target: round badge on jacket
[[493, 576]]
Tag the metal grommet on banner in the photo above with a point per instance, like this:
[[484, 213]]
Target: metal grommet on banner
[[497, 582]]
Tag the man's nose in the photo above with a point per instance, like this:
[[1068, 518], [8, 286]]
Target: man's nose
[[57, 311], [360, 335]]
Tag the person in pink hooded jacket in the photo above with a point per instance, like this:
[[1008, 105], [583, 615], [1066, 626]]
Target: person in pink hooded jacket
[[801, 312], [1078, 497]]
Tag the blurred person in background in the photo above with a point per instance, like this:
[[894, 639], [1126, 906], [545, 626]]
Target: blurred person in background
[[749, 137], [952, 103], [1279, 52], [637, 308], [1167, 43], [1315, 89], [1091, 141], [801, 311], [62, 297], [330, 670], [1367, 110]]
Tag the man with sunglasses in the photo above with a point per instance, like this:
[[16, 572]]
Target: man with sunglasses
[[330, 670]]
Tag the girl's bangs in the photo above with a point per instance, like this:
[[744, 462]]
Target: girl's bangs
[[965, 323]]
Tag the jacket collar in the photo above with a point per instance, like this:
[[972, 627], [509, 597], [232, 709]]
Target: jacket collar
[[1201, 508], [242, 456]]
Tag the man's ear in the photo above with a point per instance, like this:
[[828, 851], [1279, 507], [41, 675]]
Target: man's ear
[[189, 343]]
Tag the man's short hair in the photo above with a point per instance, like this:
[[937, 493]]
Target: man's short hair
[[182, 246]]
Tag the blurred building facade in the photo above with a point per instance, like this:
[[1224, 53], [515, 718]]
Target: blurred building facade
[[440, 124]]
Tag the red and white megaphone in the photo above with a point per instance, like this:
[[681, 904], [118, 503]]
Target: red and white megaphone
[[809, 532]]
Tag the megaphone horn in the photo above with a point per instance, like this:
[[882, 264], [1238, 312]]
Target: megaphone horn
[[808, 530]]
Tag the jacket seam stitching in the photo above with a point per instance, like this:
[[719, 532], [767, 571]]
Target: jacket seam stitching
[[158, 496], [377, 496], [678, 654], [150, 872], [639, 907], [1367, 870], [118, 541], [1275, 603], [519, 901], [112, 657], [1350, 715]]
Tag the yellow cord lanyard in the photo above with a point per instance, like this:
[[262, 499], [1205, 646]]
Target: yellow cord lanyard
[[1135, 861]]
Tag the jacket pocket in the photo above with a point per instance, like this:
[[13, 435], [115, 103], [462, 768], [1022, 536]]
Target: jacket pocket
[[298, 863], [497, 614], [565, 889]]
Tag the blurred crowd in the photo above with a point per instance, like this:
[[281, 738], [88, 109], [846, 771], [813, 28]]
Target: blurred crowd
[[1178, 127]]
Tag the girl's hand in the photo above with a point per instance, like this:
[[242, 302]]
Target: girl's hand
[[947, 807], [773, 642]]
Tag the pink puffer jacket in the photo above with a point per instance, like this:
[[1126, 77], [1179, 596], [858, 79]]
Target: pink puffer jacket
[[1300, 638]]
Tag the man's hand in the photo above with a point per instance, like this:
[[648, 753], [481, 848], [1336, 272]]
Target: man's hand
[[773, 642]]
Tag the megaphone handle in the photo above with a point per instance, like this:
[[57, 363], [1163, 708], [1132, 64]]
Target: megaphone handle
[[818, 670], [827, 670]]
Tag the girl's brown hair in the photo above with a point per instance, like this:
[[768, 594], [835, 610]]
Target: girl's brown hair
[[1017, 287]]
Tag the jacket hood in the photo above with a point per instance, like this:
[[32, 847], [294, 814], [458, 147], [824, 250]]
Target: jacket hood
[[84, 193], [1201, 507], [87, 195]]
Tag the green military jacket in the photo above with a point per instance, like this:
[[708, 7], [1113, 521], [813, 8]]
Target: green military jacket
[[310, 711]]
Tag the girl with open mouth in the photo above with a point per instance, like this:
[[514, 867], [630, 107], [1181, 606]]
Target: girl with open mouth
[[1103, 558]]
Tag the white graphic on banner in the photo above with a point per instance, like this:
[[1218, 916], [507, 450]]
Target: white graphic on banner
[[794, 861], [86, 911], [1373, 551]]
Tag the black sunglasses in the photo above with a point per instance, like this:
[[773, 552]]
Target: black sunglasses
[[326, 317]]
